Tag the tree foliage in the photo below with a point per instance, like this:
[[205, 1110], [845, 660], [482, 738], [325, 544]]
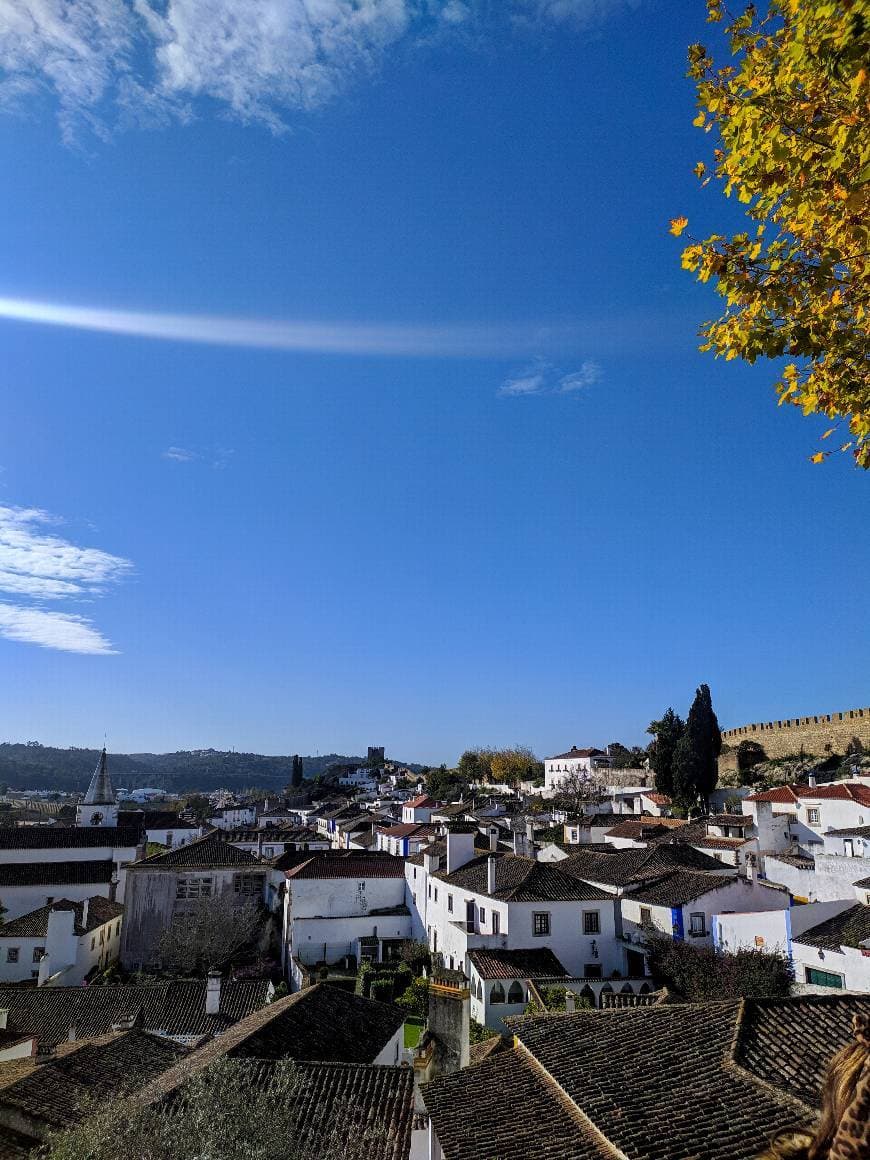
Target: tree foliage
[[297, 772], [702, 973], [209, 933], [667, 733], [792, 122], [695, 767], [229, 1111]]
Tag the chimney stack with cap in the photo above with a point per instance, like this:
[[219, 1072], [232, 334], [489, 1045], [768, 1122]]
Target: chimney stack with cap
[[490, 875], [213, 992]]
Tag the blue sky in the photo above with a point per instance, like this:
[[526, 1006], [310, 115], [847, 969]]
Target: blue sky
[[449, 469]]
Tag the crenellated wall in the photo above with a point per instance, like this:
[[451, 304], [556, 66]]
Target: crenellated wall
[[826, 733]]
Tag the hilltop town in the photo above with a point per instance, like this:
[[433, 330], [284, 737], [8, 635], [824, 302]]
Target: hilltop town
[[443, 976]]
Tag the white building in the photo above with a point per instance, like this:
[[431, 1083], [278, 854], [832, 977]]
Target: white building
[[462, 902], [338, 904], [419, 808], [62, 943], [588, 764], [836, 952], [810, 811], [98, 807]]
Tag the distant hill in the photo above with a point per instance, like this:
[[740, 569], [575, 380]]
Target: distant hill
[[35, 766]]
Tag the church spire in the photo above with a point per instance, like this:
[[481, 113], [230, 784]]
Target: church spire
[[100, 791]]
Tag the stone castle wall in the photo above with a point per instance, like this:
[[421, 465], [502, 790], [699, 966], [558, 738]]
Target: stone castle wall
[[827, 733]]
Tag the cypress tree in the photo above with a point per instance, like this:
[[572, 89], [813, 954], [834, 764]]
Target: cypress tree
[[694, 764], [296, 776], [667, 733]]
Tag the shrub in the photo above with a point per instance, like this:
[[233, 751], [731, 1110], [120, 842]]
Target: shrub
[[381, 990], [702, 973], [415, 1000]]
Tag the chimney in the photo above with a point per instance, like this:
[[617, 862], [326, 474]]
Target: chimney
[[521, 845], [4, 1016], [493, 838], [812, 780], [259, 845], [490, 875], [113, 886], [460, 844], [431, 863], [449, 1021], [570, 1003], [71, 1034], [85, 913], [125, 1022], [44, 971], [213, 992]]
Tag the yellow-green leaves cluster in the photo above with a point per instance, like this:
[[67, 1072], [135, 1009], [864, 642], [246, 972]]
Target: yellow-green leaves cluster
[[792, 118]]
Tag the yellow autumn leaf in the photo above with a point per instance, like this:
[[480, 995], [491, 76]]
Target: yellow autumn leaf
[[818, 457], [830, 431], [678, 224]]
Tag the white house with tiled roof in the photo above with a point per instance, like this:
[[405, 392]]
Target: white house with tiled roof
[[61, 944], [340, 903], [586, 763], [463, 901]]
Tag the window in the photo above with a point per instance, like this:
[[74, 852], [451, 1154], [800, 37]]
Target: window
[[516, 994], [250, 885], [496, 922], [429, 890], [593, 971], [482, 916], [696, 925], [12, 955], [848, 848], [450, 904], [541, 923], [38, 952], [813, 817], [591, 922], [436, 893], [93, 942], [193, 888], [823, 978], [645, 916], [496, 995]]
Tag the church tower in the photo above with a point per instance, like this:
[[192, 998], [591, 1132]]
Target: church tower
[[98, 807]]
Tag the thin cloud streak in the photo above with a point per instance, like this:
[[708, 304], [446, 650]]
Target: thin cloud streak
[[347, 338], [63, 631]]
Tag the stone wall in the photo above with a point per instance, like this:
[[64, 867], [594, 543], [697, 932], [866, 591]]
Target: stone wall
[[827, 733]]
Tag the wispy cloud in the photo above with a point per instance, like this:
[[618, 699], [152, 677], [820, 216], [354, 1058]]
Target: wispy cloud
[[218, 457], [46, 567], [350, 338], [106, 61], [58, 630], [542, 378]]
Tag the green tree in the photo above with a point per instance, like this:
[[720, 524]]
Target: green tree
[[695, 769], [702, 973], [209, 933], [233, 1110], [297, 774], [199, 806], [792, 140], [415, 1000], [667, 733]]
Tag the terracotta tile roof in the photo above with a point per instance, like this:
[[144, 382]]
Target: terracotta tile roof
[[58, 874], [52, 1089], [271, 835], [731, 820], [523, 963], [639, 828], [771, 1029], [623, 867], [858, 831], [478, 1052], [839, 791], [575, 752], [35, 924], [422, 801], [68, 837], [159, 820], [712, 842], [348, 864], [175, 1008], [407, 829], [502, 1109], [680, 887], [864, 883], [796, 860], [521, 879], [847, 929], [209, 851], [322, 1023], [719, 1065], [658, 799]]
